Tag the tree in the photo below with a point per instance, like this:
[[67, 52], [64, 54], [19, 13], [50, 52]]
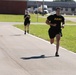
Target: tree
[[63, 0]]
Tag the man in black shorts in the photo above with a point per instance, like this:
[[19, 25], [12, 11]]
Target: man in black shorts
[[56, 22], [26, 22]]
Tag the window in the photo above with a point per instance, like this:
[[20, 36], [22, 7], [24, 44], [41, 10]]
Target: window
[[72, 9], [66, 9]]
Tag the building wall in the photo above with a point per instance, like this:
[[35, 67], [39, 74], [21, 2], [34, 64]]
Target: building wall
[[13, 7], [67, 6], [68, 11]]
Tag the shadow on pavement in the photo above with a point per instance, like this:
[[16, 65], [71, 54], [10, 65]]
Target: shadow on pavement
[[12, 35], [16, 35], [36, 57]]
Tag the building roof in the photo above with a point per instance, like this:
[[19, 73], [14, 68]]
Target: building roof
[[54, 4], [62, 4]]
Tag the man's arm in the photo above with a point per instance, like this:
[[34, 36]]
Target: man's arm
[[49, 23], [25, 16], [63, 22]]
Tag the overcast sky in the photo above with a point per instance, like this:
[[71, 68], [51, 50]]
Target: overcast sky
[[44, 0]]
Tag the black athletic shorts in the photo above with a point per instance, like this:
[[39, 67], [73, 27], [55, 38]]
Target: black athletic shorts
[[53, 32], [26, 23]]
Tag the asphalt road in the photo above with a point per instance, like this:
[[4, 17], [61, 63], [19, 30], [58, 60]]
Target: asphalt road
[[22, 55]]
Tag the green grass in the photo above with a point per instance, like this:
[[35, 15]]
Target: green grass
[[20, 18], [37, 30], [37, 18], [11, 18], [68, 40]]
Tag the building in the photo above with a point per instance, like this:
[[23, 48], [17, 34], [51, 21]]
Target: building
[[19, 6], [67, 7], [13, 6]]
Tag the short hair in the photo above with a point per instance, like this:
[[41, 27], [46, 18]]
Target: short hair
[[58, 8]]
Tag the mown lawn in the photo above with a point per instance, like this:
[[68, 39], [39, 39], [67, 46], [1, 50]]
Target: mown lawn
[[20, 18], [68, 40], [11, 18]]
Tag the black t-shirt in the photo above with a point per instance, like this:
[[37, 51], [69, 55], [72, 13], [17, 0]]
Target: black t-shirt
[[54, 19], [27, 17]]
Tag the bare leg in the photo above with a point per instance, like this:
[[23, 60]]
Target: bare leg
[[52, 41], [28, 28], [25, 29], [57, 44]]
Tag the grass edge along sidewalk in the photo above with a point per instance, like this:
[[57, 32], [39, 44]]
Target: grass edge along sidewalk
[[68, 40]]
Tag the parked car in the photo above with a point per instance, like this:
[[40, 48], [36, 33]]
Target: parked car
[[44, 11]]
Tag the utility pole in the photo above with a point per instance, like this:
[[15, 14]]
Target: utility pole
[[37, 11], [43, 8]]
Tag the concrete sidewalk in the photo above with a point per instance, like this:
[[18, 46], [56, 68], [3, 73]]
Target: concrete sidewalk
[[21, 55]]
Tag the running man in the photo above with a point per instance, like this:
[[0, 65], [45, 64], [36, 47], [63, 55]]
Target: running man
[[56, 22], [26, 22]]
